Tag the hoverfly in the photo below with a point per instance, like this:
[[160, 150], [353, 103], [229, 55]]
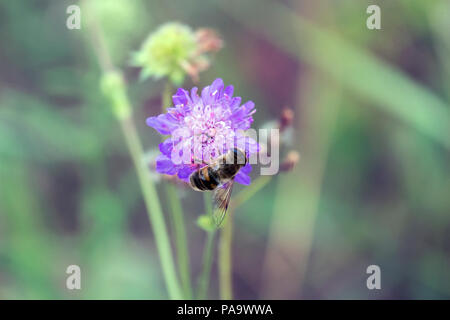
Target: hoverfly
[[218, 176]]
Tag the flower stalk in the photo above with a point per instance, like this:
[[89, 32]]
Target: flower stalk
[[226, 237], [225, 279], [153, 208], [114, 88], [203, 283], [121, 106]]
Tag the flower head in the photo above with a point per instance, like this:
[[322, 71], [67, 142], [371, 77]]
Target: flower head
[[201, 128], [175, 50]]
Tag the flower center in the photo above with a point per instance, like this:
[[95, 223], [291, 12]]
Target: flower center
[[211, 132]]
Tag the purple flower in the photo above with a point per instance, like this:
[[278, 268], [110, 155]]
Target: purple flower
[[201, 128]]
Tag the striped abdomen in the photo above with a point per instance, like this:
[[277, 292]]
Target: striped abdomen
[[204, 179], [219, 172]]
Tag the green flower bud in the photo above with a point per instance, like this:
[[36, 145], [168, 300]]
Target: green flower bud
[[166, 51], [206, 223]]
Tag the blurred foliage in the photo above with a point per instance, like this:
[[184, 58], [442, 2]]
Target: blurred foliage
[[378, 166]]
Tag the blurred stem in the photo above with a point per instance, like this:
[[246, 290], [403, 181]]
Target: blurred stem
[[251, 190], [225, 283], [153, 208], [226, 234], [177, 215], [317, 121], [180, 239], [203, 283], [114, 88], [167, 95], [208, 204]]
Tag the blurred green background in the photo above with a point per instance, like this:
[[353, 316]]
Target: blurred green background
[[372, 125]]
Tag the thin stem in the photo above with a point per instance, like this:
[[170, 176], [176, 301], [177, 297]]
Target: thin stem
[[120, 101], [208, 204], [317, 122], [180, 239], [203, 283], [166, 97], [153, 209], [177, 216], [225, 280], [226, 236], [250, 191]]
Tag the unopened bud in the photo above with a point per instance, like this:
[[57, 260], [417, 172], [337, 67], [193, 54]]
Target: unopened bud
[[194, 67], [206, 223], [208, 40], [291, 160], [162, 51], [286, 119]]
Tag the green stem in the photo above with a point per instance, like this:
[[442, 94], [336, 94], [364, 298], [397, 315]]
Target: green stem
[[115, 89], [177, 215], [225, 280], [180, 239], [250, 191], [226, 235], [203, 283], [207, 200], [153, 208], [166, 96]]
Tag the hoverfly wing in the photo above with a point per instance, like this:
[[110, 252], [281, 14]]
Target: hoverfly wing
[[221, 198]]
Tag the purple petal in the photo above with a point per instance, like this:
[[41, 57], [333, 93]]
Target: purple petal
[[194, 95], [235, 103], [242, 117], [242, 178], [178, 112], [247, 143], [165, 165], [166, 147], [185, 172], [164, 123], [249, 105], [216, 89], [205, 94], [213, 92], [251, 145], [181, 97], [228, 92], [241, 124], [247, 168]]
